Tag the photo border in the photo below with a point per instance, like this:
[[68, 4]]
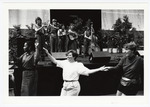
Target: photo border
[[80, 100]]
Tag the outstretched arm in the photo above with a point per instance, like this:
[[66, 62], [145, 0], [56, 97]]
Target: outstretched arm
[[97, 69], [50, 56]]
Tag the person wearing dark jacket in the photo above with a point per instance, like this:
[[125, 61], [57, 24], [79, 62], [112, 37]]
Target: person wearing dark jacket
[[132, 67]]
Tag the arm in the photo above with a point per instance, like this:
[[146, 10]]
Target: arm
[[96, 70], [119, 66], [53, 26], [50, 56], [36, 57], [87, 36], [39, 28]]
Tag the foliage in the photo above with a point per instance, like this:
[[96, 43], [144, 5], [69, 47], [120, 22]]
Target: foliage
[[121, 31], [13, 35], [78, 24]]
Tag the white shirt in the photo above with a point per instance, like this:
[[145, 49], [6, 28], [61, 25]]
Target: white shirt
[[72, 71]]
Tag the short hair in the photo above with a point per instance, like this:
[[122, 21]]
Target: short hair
[[31, 45], [54, 20], [38, 18], [131, 46], [74, 53]]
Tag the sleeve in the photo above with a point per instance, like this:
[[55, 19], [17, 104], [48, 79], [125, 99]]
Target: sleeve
[[119, 66], [82, 70], [60, 63]]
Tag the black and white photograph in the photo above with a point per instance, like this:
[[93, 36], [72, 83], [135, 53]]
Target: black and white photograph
[[89, 50]]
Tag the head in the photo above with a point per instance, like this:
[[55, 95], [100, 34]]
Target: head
[[71, 55], [38, 21], [63, 26], [91, 24], [130, 49], [71, 26], [29, 46], [54, 21], [87, 28]]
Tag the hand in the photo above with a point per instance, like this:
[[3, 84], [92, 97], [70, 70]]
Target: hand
[[36, 45], [103, 68], [107, 68]]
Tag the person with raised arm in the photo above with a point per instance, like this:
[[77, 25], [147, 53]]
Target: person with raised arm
[[71, 72], [27, 62]]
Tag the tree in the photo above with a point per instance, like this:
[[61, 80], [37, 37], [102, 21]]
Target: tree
[[122, 28], [118, 25], [126, 25]]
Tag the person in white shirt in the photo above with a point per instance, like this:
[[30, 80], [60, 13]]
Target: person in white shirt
[[71, 72]]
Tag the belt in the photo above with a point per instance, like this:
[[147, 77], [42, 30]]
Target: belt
[[28, 69], [129, 80], [70, 80]]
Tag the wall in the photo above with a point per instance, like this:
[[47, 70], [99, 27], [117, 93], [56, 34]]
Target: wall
[[26, 17]]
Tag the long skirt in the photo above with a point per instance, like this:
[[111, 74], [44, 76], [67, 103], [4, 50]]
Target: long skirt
[[29, 83]]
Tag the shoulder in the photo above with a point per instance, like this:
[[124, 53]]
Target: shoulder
[[79, 63]]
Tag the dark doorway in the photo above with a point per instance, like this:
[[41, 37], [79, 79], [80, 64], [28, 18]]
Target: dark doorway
[[66, 16]]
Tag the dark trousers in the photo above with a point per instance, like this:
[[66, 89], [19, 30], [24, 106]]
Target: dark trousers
[[54, 43], [87, 44]]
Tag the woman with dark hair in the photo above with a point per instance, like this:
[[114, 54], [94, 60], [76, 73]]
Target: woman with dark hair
[[132, 67], [27, 62], [71, 72]]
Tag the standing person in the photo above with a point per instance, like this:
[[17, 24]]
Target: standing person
[[62, 38], [132, 66], [72, 44], [27, 62], [53, 28], [71, 72], [39, 34], [87, 41]]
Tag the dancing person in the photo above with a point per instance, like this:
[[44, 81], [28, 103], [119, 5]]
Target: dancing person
[[62, 38], [71, 72], [132, 67], [53, 28], [27, 63]]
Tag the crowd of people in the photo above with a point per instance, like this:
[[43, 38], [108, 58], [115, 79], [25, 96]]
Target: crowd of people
[[60, 38]]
